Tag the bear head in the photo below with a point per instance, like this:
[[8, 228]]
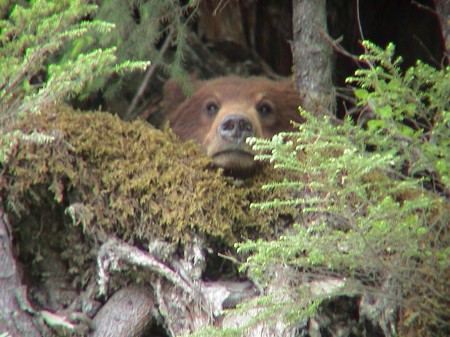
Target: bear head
[[223, 112]]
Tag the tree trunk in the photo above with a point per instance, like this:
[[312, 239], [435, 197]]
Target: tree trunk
[[443, 13], [13, 320], [312, 55]]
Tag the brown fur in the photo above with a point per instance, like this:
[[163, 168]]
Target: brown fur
[[240, 97]]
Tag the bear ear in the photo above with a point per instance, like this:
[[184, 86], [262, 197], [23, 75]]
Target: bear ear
[[176, 92], [173, 96]]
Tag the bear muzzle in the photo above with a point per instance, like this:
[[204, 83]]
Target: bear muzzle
[[232, 132], [228, 148], [235, 128]]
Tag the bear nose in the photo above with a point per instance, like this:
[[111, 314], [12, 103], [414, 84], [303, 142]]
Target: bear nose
[[235, 128]]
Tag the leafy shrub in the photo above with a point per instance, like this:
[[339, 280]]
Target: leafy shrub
[[36, 73], [378, 218], [33, 73], [412, 111]]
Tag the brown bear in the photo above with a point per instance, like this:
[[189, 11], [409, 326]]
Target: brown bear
[[223, 112]]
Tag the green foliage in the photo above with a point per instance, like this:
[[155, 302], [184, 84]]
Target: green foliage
[[361, 216], [294, 309], [140, 26], [352, 206], [411, 109], [31, 38], [34, 75]]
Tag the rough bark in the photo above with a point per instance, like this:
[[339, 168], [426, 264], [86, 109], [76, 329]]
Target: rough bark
[[13, 320], [312, 55]]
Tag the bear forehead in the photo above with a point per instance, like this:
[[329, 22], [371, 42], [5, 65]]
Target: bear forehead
[[234, 88]]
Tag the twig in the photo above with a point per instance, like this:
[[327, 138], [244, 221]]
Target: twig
[[220, 7], [427, 51], [148, 75], [358, 19], [338, 48], [424, 8]]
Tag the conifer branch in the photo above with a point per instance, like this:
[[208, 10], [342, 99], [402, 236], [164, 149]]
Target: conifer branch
[[149, 73]]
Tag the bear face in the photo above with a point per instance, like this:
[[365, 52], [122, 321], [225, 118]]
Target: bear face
[[223, 112]]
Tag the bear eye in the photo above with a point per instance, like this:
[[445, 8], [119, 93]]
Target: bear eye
[[211, 108], [264, 109]]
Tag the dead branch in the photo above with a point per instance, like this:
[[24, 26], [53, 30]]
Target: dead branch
[[114, 255]]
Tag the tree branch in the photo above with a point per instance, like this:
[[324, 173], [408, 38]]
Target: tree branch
[[150, 70]]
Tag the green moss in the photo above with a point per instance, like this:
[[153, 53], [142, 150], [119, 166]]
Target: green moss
[[131, 180]]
